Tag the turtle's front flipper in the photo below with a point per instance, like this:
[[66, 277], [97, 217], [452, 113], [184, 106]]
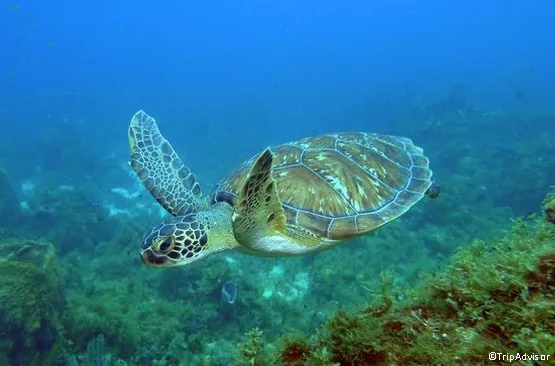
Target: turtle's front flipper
[[258, 212], [160, 169]]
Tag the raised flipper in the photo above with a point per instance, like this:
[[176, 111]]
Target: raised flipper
[[258, 211], [160, 169]]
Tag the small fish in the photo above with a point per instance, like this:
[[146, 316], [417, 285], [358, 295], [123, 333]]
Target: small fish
[[229, 292], [434, 190]]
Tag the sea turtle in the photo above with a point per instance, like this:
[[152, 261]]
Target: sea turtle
[[296, 198]]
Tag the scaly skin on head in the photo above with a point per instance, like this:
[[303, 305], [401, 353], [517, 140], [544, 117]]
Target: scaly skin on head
[[182, 240]]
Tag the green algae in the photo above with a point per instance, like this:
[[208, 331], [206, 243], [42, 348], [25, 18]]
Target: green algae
[[251, 351], [492, 297], [549, 208], [170, 317], [31, 301]]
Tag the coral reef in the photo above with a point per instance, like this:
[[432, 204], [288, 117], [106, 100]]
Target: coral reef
[[251, 350], [492, 296], [10, 211], [70, 218], [95, 356], [494, 293], [31, 302], [549, 208]]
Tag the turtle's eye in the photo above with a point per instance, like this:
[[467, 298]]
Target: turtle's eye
[[165, 245]]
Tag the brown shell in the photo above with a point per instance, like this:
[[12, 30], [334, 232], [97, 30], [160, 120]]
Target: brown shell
[[342, 185]]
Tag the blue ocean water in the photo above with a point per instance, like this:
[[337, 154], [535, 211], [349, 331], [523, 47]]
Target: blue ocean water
[[473, 83], [278, 69]]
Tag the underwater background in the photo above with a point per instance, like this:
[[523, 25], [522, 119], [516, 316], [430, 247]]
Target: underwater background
[[468, 273]]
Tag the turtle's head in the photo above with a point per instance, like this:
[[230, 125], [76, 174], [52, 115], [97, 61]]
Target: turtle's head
[[182, 240]]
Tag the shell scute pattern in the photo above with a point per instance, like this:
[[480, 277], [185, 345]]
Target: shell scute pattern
[[342, 185]]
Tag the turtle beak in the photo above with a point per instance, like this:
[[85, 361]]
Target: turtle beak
[[151, 259]]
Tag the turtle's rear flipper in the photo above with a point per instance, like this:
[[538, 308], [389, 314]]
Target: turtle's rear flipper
[[160, 169], [258, 211]]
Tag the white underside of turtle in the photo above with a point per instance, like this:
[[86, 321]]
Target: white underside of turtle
[[279, 246]]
